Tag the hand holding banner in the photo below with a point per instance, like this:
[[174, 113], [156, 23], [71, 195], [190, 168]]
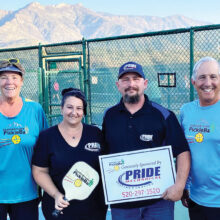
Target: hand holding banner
[[137, 175]]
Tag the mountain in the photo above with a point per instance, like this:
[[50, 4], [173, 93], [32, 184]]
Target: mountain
[[36, 24]]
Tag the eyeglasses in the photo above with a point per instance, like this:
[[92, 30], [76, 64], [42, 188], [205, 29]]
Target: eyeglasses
[[11, 62]]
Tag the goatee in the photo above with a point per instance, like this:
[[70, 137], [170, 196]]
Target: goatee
[[131, 99]]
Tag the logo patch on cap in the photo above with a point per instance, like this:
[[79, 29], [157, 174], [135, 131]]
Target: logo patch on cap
[[146, 137], [130, 66]]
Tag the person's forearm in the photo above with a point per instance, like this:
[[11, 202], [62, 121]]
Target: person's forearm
[[175, 192], [44, 180], [183, 167]]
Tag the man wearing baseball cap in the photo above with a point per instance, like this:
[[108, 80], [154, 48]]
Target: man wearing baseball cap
[[124, 125]]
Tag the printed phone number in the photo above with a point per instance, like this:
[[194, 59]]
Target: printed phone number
[[142, 192]]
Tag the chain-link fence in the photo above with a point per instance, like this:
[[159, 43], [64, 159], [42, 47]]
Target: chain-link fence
[[62, 68], [160, 56], [167, 58]]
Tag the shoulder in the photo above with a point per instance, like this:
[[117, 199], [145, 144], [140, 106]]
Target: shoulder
[[91, 128], [92, 133], [32, 104], [217, 105], [112, 110], [164, 112], [49, 131], [188, 106]]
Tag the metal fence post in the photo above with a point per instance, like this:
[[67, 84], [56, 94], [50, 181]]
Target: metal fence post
[[86, 80], [191, 62], [41, 77]]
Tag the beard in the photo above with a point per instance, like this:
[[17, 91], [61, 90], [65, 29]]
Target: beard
[[131, 99]]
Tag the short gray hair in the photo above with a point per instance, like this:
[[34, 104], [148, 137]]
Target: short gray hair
[[200, 62]]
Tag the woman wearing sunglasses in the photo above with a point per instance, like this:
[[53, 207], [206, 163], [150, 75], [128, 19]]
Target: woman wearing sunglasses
[[21, 121]]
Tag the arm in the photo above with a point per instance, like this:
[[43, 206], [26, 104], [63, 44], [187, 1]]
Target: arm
[[175, 192], [43, 179]]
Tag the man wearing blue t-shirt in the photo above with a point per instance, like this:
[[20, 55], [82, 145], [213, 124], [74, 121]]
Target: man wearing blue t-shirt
[[201, 124]]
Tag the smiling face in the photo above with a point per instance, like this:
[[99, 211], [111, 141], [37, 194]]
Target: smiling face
[[207, 83], [10, 85], [132, 87], [72, 110]]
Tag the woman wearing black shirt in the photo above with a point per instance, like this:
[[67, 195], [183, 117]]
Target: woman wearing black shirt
[[57, 149]]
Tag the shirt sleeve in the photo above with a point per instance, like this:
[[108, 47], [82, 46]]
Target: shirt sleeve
[[106, 147], [41, 152], [103, 144], [188, 182], [175, 135], [42, 119]]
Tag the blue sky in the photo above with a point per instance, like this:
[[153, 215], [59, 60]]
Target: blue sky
[[203, 10]]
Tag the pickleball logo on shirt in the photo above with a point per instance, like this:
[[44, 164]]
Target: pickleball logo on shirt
[[199, 137], [16, 139], [15, 130], [198, 131]]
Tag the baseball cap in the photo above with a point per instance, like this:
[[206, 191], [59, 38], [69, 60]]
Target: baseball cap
[[10, 69], [131, 67]]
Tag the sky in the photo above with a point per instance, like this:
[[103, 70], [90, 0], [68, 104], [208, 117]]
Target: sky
[[202, 10]]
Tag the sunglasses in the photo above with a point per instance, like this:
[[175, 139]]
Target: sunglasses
[[11, 62]]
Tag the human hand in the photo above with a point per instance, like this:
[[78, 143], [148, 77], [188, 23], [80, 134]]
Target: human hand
[[60, 202], [173, 193], [185, 198]]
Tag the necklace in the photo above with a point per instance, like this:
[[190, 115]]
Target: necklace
[[71, 135], [77, 134]]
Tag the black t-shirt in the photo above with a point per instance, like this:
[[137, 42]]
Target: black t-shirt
[[124, 131], [54, 152]]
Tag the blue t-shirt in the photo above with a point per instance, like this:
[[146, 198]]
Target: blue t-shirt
[[17, 138], [202, 130]]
